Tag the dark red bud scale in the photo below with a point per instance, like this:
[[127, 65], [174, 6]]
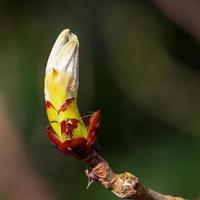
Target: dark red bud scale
[[68, 126], [66, 104], [49, 104], [79, 147]]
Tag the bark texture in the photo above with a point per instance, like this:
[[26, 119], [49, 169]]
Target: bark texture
[[124, 185]]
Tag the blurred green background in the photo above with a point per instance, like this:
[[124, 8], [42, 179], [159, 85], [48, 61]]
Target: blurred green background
[[136, 65]]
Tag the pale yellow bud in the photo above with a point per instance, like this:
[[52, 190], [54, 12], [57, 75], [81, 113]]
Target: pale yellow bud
[[62, 71]]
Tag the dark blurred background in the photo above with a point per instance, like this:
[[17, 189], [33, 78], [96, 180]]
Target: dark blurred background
[[139, 64]]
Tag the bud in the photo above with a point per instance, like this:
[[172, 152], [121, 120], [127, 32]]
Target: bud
[[67, 130]]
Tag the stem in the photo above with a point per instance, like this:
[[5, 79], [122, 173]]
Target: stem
[[124, 185]]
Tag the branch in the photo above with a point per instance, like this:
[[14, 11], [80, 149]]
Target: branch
[[125, 185]]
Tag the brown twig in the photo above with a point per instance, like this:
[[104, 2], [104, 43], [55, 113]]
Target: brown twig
[[125, 185]]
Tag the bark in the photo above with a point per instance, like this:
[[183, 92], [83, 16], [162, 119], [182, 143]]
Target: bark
[[124, 185]]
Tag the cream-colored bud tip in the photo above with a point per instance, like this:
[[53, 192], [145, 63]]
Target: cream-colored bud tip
[[66, 36]]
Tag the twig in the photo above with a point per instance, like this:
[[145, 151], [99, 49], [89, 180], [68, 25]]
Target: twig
[[125, 185]]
